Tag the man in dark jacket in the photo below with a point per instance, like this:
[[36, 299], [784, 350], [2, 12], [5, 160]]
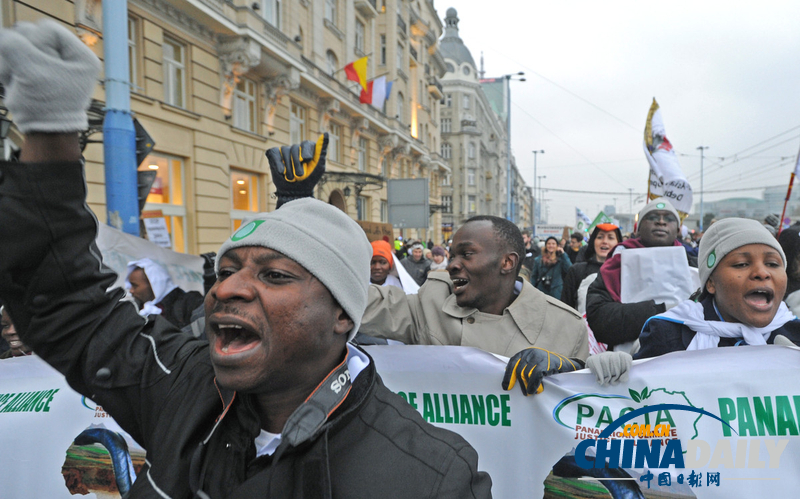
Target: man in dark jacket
[[417, 265], [613, 322], [276, 403], [156, 294]]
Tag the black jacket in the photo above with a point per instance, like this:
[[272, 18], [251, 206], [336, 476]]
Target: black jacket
[[178, 306], [659, 336], [159, 385], [613, 322]]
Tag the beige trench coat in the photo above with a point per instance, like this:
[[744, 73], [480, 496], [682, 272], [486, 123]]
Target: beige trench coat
[[432, 317]]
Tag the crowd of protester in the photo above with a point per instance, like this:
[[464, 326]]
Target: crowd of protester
[[299, 288]]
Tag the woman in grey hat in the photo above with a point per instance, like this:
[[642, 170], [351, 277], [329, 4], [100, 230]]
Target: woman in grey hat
[[742, 280]]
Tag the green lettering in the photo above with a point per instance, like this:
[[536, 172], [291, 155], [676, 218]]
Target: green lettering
[[764, 416], [505, 409], [454, 398], [439, 418], [40, 401], [492, 404], [624, 411], [447, 417], [746, 423], [605, 417], [787, 425], [31, 401], [666, 418], [479, 409], [466, 410], [727, 412], [584, 411], [427, 408], [4, 398], [12, 407], [412, 399]]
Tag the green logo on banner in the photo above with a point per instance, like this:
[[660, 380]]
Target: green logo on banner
[[712, 259], [661, 205], [246, 230]]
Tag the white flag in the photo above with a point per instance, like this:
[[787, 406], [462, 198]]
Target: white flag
[[582, 222], [666, 177], [378, 91]]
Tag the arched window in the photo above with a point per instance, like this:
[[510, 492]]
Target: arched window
[[333, 62], [447, 150]]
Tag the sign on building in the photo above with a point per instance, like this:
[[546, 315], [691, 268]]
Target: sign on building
[[408, 203]]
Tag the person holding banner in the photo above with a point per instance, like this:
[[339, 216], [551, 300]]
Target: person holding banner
[[743, 281], [275, 403], [616, 323]]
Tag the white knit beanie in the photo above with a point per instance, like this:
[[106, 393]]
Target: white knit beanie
[[725, 236], [322, 239], [661, 203]]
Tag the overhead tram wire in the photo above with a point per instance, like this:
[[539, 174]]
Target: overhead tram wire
[[567, 144], [736, 159]]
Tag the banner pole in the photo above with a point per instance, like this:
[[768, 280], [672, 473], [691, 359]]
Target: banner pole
[[788, 194]]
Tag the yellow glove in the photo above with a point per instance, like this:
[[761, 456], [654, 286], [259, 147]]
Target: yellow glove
[[296, 169], [531, 365]]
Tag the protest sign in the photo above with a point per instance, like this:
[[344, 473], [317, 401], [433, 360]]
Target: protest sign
[[666, 177]]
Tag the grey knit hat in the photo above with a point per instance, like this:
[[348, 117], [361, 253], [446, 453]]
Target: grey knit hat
[[661, 203], [321, 238], [725, 236]]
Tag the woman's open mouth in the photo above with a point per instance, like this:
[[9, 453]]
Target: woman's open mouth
[[760, 299]]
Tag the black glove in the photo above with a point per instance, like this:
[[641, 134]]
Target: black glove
[[533, 364], [296, 169]]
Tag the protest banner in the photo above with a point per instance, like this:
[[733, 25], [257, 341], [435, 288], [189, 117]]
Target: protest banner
[[582, 221], [119, 248], [544, 231], [746, 429]]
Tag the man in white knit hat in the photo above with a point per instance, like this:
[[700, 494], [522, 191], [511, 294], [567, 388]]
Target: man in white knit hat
[[276, 403]]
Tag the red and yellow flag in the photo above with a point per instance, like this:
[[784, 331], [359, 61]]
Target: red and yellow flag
[[357, 71]]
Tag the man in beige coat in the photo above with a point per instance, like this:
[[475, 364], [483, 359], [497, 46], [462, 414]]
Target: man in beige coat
[[480, 302]]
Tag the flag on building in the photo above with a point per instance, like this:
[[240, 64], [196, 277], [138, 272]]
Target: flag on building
[[357, 71], [379, 91], [366, 95], [582, 222], [666, 177]]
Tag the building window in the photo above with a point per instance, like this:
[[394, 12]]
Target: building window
[[384, 167], [399, 56], [166, 195], [383, 50], [297, 124], [244, 196], [447, 150], [400, 104], [330, 10], [384, 211], [471, 150], [471, 204], [333, 62], [448, 100], [334, 134], [471, 176], [132, 35], [244, 105], [362, 207], [271, 12], [174, 73], [447, 179], [359, 36], [446, 124], [447, 204], [466, 101], [363, 146]]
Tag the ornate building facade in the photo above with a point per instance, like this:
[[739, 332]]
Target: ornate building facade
[[217, 82]]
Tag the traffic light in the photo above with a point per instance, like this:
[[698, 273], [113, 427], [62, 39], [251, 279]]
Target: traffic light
[[144, 142], [144, 182]]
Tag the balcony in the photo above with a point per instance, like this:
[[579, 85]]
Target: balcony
[[435, 88], [413, 52], [367, 8]]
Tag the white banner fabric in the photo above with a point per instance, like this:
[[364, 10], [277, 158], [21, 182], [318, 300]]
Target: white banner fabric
[[518, 439]]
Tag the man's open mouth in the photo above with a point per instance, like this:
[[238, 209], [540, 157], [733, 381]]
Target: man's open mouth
[[459, 283], [234, 338], [760, 298]]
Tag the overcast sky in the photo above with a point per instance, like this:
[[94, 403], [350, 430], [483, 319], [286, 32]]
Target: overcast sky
[[726, 75]]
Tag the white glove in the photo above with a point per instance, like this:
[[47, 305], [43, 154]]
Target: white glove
[[783, 341], [610, 367], [48, 75]]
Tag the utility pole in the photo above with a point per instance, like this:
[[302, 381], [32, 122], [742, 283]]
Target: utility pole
[[630, 200], [702, 211], [535, 203]]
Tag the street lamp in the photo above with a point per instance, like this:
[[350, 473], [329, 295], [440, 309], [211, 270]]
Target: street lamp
[[541, 194], [535, 203], [701, 149], [508, 78]]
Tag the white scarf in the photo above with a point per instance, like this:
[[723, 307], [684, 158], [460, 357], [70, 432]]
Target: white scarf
[[690, 314]]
